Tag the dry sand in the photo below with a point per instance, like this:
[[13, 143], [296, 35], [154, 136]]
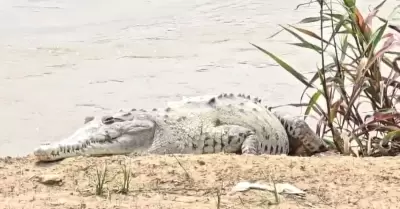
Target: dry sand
[[194, 182]]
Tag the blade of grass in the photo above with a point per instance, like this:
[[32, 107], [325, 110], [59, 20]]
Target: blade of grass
[[286, 66], [309, 33], [310, 46], [377, 7], [313, 19], [344, 48], [312, 102], [377, 36], [335, 16]]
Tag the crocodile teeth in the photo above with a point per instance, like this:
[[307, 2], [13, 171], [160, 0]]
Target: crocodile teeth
[[68, 148], [77, 147], [93, 140]]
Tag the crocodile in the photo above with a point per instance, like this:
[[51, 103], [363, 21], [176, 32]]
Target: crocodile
[[229, 123]]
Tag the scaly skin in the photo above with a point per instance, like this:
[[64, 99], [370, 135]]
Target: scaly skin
[[196, 125], [302, 139]]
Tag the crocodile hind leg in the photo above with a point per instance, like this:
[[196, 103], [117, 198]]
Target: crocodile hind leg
[[303, 140]]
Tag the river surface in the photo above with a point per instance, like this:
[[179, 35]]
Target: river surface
[[62, 60]]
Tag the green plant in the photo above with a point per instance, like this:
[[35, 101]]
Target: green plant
[[218, 198], [351, 77], [126, 171], [100, 179]]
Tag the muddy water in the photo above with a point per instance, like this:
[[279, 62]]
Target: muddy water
[[62, 60]]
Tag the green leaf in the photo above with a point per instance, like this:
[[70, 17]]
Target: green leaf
[[380, 5], [312, 102], [382, 19], [394, 27], [305, 43], [310, 33], [334, 110], [313, 19], [275, 34], [389, 136], [391, 52], [350, 3], [336, 30], [336, 16], [377, 36], [344, 48], [308, 46], [287, 67]]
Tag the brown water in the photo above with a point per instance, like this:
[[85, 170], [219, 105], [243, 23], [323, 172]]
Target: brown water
[[65, 59]]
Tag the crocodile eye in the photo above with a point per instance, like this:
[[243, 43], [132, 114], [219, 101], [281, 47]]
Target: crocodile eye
[[107, 120]]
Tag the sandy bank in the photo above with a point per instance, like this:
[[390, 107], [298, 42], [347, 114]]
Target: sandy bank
[[194, 182]]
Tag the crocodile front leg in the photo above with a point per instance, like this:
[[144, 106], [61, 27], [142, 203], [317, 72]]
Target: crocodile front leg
[[251, 145], [303, 140], [239, 139], [222, 138]]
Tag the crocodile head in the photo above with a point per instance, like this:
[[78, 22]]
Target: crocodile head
[[122, 133]]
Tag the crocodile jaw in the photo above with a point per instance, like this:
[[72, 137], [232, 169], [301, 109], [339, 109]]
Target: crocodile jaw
[[96, 139], [58, 151]]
